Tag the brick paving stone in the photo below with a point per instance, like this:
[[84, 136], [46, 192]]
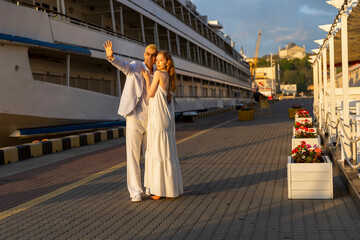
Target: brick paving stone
[[235, 188]]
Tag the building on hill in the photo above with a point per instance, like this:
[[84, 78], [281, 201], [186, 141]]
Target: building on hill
[[266, 80], [292, 51], [288, 89]]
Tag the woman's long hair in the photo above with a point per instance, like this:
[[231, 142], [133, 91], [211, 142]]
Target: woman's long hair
[[170, 69]]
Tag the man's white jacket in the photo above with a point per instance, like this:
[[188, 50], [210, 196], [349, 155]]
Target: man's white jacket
[[134, 84]]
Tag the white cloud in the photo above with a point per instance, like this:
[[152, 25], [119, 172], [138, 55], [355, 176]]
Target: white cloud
[[310, 11], [299, 34], [278, 29]]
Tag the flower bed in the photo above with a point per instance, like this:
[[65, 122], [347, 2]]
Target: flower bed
[[302, 114], [303, 123], [303, 129], [306, 153], [304, 132]]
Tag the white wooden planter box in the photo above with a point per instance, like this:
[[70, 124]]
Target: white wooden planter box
[[297, 141], [308, 128], [301, 119], [310, 180]]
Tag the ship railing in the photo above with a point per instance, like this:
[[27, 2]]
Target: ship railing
[[90, 84], [340, 135], [65, 18]]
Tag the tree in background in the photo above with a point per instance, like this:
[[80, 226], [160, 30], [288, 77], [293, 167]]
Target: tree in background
[[293, 71]]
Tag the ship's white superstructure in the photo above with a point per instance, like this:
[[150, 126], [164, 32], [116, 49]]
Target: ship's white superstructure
[[53, 67]]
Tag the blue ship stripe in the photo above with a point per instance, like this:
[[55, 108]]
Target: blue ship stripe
[[45, 44], [69, 128]]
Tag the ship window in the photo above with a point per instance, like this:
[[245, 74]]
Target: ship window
[[174, 49], [216, 63], [191, 91], [200, 27], [149, 28], [132, 24], [169, 5], [193, 53], [178, 89], [44, 5], [183, 47], [163, 37], [213, 92], [194, 22], [205, 91], [161, 2], [209, 63], [179, 10], [203, 56], [187, 16]]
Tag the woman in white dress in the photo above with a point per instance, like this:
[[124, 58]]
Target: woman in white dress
[[162, 169]]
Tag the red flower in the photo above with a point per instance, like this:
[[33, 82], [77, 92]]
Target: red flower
[[317, 150], [305, 153]]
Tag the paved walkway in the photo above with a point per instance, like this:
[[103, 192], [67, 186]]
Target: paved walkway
[[235, 184]]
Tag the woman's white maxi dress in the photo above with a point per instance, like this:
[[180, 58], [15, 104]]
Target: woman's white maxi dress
[[162, 170]]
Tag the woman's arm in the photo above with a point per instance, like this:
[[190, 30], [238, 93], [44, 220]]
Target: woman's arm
[[151, 88]]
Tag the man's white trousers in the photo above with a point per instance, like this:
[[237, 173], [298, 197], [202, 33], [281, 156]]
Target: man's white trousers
[[135, 138]]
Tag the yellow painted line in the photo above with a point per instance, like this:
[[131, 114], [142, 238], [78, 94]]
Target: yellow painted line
[[43, 198]]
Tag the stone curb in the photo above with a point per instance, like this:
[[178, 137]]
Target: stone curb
[[30, 150], [210, 113]]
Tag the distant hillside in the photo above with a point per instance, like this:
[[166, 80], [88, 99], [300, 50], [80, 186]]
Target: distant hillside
[[294, 71]]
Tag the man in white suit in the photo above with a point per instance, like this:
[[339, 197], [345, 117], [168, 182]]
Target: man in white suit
[[133, 106]]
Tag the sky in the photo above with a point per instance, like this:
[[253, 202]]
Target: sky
[[281, 22]]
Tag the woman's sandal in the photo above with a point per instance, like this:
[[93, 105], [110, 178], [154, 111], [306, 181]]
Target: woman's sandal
[[155, 197]]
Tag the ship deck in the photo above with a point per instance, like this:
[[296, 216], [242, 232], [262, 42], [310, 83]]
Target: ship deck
[[235, 186]]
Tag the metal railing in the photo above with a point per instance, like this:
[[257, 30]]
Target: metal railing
[[90, 84], [343, 138]]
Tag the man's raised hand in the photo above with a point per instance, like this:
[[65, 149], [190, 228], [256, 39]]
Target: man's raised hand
[[108, 49]]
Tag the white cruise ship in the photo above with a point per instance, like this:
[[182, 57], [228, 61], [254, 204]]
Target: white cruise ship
[[54, 71]]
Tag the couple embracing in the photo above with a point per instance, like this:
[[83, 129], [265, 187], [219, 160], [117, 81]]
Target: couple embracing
[[146, 103]]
